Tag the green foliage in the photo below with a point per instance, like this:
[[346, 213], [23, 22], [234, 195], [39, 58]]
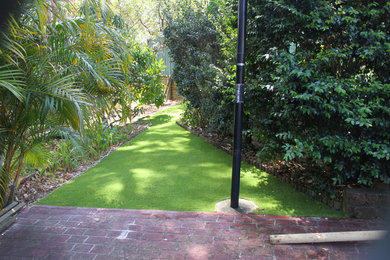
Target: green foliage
[[318, 70], [317, 83], [100, 137], [199, 68], [65, 156], [159, 169], [145, 19], [190, 115], [63, 70]]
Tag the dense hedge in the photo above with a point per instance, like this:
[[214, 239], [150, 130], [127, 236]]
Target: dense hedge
[[198, 71], [317, 77]]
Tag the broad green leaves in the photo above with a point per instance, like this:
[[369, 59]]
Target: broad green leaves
[[65, 67], [317, 80]]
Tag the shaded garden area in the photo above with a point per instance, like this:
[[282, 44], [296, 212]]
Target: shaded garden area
[[73, 77], [317, 86], [168, 168]]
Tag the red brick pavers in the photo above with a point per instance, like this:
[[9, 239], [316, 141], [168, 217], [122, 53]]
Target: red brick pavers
[[48, 232]]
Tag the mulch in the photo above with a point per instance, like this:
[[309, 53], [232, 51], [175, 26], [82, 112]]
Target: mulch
[[37, 186]]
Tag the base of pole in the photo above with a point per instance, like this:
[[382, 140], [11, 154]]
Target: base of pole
[[244, 206]]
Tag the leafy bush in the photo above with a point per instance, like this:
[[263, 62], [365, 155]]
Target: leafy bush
[[199, 67], [318, 69], [64, 67], [100, 136], [65, 156], [317, 80]]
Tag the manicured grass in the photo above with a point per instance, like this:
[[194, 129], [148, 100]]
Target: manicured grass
[[168, 168]]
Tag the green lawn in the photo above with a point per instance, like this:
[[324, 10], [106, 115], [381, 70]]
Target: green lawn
[[168, 168]]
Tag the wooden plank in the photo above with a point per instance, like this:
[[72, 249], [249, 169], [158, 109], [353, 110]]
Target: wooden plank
[[6, 209], [6, 223], [8, 215], [12, 211], [17, 208], [327, 237]]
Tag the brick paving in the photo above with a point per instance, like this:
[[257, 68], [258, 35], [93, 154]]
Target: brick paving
[[48, 232]]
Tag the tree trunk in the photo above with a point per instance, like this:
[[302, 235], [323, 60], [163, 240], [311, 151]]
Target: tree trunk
[[15, 184], [5, 175]]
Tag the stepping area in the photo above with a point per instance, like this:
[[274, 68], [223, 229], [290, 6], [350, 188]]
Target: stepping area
[[55, 232]]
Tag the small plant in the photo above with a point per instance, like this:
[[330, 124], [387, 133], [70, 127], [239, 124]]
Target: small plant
[[50, 174], [65, 157], [190, 116], [100, 137]]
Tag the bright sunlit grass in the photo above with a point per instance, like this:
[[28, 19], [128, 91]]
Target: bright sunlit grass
[[168, 168]]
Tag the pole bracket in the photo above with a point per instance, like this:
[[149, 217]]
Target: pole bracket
[[240, 93]]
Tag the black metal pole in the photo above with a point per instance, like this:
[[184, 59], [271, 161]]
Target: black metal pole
[[239, 105]]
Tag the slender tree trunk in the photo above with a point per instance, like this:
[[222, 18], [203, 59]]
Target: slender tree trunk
[[1, 159], [15, 184], [6, 174]]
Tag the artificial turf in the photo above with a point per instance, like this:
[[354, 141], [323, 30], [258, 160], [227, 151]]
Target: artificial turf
[[168, 168]]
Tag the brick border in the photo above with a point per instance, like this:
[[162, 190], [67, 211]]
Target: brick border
[[50, 232]]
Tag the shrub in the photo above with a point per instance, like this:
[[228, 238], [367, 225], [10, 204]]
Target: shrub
[[199, 68], [317, 80], [323, 86]]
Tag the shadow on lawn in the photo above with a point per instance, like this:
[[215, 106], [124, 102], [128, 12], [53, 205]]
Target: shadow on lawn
[[159, 169], [168, 168], [157, 120], [288, 200]]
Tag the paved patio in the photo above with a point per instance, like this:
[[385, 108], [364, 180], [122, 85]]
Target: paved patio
[[48, 232]]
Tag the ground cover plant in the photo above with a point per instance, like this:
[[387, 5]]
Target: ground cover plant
[[317, 91], [168, 168]]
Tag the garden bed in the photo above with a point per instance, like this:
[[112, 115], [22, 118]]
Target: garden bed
[[36, 185]]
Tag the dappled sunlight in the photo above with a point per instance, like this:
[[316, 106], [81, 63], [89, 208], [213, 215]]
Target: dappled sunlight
[[252, 179], [220, 167], [111, 188], [145, 179], [171, 167], [168, 168]]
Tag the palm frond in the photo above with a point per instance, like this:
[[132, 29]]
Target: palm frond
[[36, 156], [14, 48], [12, 80]]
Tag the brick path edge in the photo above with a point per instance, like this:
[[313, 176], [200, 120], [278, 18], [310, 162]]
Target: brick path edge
[[52, 232]]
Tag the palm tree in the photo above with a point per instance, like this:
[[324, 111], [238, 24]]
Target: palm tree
[[38, 100], [58, 70]]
